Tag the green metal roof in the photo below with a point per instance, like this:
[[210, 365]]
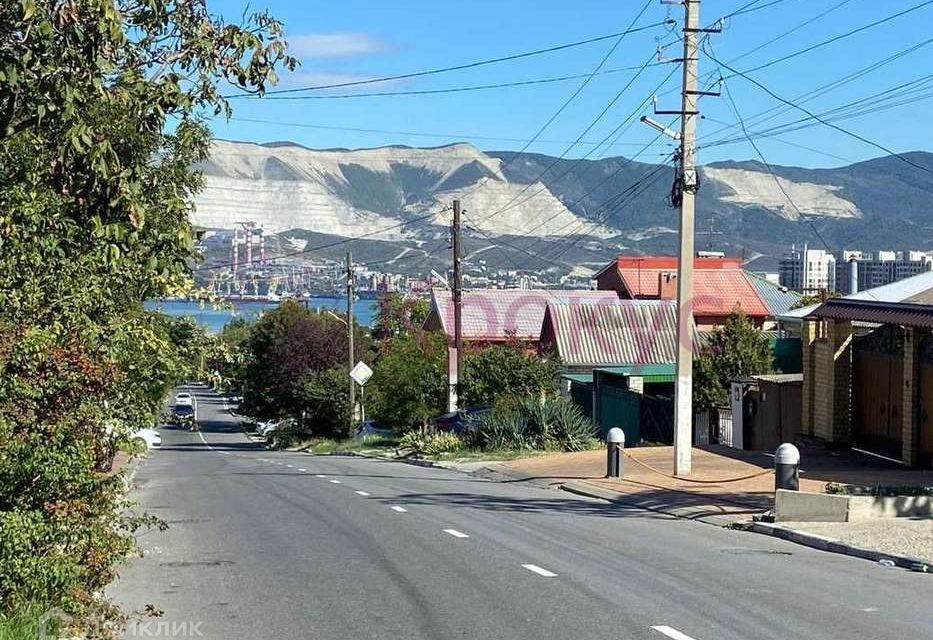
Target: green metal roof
[[578, 377], [643, 370]]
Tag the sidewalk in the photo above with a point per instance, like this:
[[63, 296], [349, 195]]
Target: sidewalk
[[708, 493]]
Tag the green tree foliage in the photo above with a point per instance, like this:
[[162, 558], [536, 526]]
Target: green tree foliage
[[409, 383], [503, 370], [734, 350], [324, 399], [399, 314], [286, 346], [100, 125]]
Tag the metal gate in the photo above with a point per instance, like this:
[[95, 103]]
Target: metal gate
[[877, 391], [925, 414]]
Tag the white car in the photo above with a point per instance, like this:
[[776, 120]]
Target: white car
[[183, 399], [150, 437]]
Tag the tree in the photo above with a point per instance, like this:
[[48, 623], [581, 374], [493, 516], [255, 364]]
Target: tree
[[409, 383], [323, 397], [100, 125], [399, 314], [734, 350], [287, 345], [501, 370]]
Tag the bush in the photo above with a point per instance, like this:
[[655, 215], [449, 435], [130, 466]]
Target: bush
[[502, 370], [431, 444], [550, 423], [409, 383]]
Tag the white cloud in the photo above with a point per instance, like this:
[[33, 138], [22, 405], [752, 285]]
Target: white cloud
[[325, 78], [334, 45]]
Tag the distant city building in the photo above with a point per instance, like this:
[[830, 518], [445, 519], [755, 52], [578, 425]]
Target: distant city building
[[808, 270], [857, 271], [850, 271]]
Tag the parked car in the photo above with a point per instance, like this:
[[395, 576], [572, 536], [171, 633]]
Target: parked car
[[460, 422], [150, 437], [183, 398]]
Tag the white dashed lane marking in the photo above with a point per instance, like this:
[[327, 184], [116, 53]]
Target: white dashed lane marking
[[671, 632], [335, 481], [540, 571], [361, 493], [303, 470], [455, 533], [319, 475], [399, 509]]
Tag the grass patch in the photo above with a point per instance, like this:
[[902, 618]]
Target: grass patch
[[466, 455], [27, 626], [331, 445]]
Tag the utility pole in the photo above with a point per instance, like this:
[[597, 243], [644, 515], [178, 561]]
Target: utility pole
[[457, 366], [683, 411], [350, 362]]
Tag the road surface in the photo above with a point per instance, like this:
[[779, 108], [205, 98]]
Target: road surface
[[278, 545]]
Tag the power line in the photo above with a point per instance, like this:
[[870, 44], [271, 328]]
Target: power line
[[818, 118], [825, 88], [481, 87], [574, 95], [829, 41], [460, 67], [777, 181], [423, 134]]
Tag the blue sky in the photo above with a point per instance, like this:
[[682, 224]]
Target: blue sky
[[358, 39]]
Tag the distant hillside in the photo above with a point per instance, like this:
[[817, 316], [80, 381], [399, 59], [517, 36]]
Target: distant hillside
[[579, 211]]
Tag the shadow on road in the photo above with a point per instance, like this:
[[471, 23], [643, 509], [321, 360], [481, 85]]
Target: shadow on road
[[556, 505]]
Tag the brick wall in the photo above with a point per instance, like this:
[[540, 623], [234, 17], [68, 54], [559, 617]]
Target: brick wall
[[828, 366]]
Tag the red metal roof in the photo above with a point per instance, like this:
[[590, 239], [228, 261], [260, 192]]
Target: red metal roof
[[720, 285], [498, 314]]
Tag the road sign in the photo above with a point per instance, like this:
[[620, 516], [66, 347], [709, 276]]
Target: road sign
[[361, 373]]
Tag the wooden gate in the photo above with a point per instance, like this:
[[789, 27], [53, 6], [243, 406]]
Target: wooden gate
[[925, 415], [877, 391]]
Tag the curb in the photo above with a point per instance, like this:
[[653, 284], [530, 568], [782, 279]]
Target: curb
[[837, 546]]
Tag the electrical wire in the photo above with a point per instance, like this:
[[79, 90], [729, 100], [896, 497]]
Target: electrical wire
[[819, 119], [470, 65]]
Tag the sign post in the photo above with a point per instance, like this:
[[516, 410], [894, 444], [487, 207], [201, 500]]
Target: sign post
[[360, 374]]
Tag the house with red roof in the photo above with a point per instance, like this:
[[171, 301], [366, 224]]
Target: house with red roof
[[720, 286], [500, 315]]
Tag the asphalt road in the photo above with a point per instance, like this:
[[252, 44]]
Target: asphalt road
[[278, 545]]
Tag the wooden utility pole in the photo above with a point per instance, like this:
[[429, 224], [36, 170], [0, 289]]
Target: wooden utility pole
[[457, 293], [351, 359], [683, 411]]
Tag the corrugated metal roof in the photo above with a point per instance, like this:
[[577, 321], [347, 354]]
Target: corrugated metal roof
[[917, 288], [779, 299], [911, 315], [498, 314], [627, 332]]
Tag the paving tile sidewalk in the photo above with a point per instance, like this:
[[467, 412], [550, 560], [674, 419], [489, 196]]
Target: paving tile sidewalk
[[709, 493]]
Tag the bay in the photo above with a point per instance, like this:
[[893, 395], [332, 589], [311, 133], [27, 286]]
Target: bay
[[214, 319]]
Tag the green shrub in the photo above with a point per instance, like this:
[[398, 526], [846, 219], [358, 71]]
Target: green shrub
[[545, 424], [431, 444]]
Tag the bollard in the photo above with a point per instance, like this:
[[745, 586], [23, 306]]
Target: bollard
[[615, 441], [787, 467]]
